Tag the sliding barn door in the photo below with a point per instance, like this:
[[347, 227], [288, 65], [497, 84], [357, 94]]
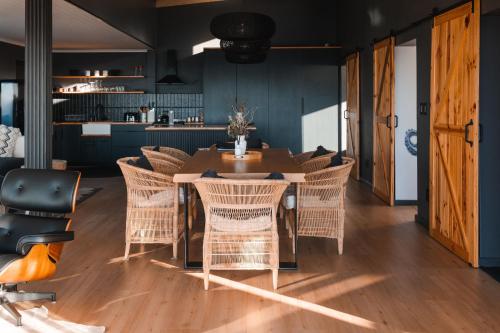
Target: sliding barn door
[[454, 131], [383, 120], [352, 112]]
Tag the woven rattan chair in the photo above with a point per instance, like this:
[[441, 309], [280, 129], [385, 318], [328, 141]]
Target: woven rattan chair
[[302, 157], [321, 203], [152, 207], [170, 168], [164, 166], [309, 165], [173, 155], [240, 228], [317, 163]]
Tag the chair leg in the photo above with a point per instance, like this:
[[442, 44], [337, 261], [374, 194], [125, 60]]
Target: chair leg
[[174, 249], [275, 278], [340, 244], [290, 219], [194, 202], [13, 312], [127, 250], [190, 216], [206, 275]]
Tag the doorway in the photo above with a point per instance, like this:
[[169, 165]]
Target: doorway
[[405, 104]]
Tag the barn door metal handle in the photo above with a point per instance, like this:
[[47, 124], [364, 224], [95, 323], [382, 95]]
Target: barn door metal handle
[[397, 121], [467, 126], [346, 114]]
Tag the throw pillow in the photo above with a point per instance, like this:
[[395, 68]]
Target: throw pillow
[[320, 151], [8, 138], [275, 176], [336, 161], [142, 162], [210, 174]]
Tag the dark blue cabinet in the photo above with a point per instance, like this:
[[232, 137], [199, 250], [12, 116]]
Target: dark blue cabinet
[[127, 140], [288, 85]]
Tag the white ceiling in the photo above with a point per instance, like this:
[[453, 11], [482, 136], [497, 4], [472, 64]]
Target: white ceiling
[[73, 28]]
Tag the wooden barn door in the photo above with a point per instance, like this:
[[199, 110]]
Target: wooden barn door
[[383, 120], [454, 131], [352, 112]]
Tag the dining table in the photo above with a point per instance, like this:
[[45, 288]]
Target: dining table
[[278, 160]]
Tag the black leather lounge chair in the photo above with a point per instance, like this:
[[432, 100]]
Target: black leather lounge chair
[[33, 230]]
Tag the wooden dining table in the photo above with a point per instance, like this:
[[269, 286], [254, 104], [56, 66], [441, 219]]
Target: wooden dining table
[[273, 160]]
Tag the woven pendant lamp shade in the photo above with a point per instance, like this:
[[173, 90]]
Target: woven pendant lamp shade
[[242, 26], [245, 37]]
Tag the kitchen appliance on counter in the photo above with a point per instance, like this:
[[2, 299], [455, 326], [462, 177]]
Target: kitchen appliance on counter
[[131, 117]]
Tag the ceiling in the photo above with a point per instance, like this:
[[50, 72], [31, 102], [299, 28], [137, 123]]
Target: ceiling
[[73, 28]]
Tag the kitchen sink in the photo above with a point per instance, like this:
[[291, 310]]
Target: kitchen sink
[[96, 129]]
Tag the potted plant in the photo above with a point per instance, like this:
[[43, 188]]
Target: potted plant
[[239, 121]]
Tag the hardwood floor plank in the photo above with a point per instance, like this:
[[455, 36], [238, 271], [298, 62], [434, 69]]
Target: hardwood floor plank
[[392, 277]]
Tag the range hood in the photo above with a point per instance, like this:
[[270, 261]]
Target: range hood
[[171, 76]]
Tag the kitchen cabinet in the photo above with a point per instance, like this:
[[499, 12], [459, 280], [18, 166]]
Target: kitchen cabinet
[[95, 151], [66, 143], [127, 140], [284, 88]]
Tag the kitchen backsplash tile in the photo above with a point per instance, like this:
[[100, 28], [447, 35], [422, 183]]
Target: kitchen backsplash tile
[[115, 105]]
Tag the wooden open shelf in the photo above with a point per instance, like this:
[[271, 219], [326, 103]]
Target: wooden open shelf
[[98, 77], [100, 92]]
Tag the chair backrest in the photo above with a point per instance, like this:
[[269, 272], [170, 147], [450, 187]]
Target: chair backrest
[[48, 191], [170, 154], [164, 166], [326, 187], [232, 205], [317, 163], [302, 157], [139, 177]]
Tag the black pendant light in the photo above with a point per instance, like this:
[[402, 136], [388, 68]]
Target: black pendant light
[[245, 37]]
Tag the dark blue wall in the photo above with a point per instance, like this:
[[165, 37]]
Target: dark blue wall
[[489, 116]]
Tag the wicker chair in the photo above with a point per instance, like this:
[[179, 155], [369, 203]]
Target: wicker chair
[[173, 155], [164, 166], [308, 166], [306, 156], [169, 168], [152, 207], [320, 203], [317, 163], [240, 230], [302, 157]]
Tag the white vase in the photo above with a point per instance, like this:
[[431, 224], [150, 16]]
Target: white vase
[[240, 146]]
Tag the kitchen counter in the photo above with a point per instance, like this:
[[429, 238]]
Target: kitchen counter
[[192, 128], [100, 122]]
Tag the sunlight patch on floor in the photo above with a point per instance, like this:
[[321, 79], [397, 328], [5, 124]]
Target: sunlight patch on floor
[[354, 283]]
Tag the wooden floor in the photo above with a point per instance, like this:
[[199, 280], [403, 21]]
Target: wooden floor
[[392, 277]]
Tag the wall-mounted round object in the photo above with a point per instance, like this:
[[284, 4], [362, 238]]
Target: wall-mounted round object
[[243, 26], [245, 58], [245, 46], [411, 141]]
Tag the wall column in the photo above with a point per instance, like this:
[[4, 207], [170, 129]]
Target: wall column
[[38, 82]]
